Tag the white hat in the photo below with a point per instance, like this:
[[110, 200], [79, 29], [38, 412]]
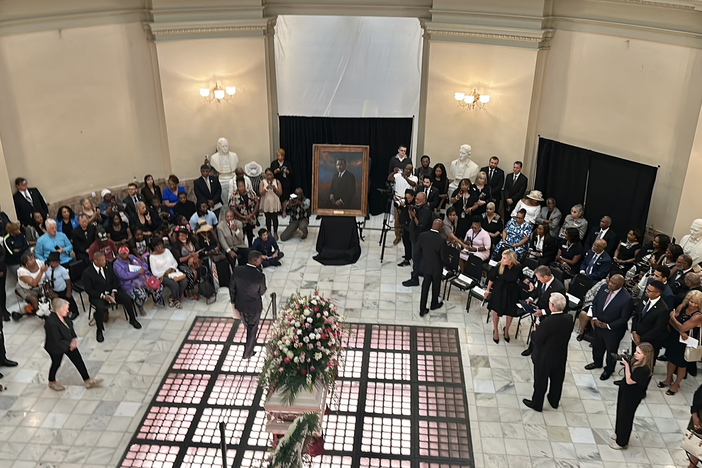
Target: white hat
[[104, 192], [253, 169], [535, 195]]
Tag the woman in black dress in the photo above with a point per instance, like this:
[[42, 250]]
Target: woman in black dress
[[146, 220], [695, 423], [631, 392], [502, 292], [465, 202], [684, 321], [61, 339], [481, 189], [492, 223], [570, 254], [118, 231], [151, 191], [440, 181], [625, 255], [281, 171]]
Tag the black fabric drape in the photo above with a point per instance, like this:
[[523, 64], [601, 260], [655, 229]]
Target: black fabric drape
[[620, 189], [561, 173], [383, 135], [605, 185]]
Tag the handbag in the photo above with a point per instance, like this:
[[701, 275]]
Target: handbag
[[692, 444], [153, 283]]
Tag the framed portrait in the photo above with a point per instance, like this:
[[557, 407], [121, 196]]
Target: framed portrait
[[340, 180]]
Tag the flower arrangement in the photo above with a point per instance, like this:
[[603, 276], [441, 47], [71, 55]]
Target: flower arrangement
[[304, 348]]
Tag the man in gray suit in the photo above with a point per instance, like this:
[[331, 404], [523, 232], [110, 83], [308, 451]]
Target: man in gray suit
[[246, 287]]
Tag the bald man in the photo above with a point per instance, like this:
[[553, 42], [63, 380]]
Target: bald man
[[611, 310], [596, 265], [430, 245]]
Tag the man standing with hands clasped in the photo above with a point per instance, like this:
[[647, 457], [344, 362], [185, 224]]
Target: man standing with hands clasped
[[420, 221], [550, 340], [430, 244], [611, 310], [247, 286]]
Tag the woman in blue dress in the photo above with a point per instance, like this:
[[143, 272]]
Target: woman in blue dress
[[515, 236], [170, 193]]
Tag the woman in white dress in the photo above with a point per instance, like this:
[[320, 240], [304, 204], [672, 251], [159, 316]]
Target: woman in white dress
[[530, 204]]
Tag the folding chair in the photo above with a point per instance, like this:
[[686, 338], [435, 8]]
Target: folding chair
[[450, 257], [472, 272], [531, 263], [522, 314], [75, 272]]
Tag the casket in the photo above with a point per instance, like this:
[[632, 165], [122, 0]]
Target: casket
[[279, 415]]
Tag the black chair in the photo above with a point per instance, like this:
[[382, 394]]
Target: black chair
[[579, 287], [473, 271], [531, 263], [75, 272], [450, 256]]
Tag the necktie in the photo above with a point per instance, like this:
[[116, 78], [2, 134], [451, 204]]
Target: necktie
[[514, 179], [28, 197], [426, 192], [207, 181], [102, 273], [543, 289], [609, 297], [492, 172], [645, 309], [592, 264], [134, 199], [600, 235]]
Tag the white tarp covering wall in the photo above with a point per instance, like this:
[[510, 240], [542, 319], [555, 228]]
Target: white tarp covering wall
[[341, 66]]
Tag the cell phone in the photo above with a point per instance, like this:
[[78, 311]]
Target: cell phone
[[56, 247]]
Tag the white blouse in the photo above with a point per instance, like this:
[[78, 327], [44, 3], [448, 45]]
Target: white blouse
[[160, 264], [531, 212]]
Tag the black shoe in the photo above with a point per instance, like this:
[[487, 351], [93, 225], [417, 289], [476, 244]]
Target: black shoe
[[554, 406], [592, 365], [99, 336], [74, 316], [1, 376], [16, 316], [528, 351], [504, 333], [529, 404], [6, 316], [423, 312], [437, 306], [404, 263], [135, 324], [618, 382], [410, 282], [662, 358], [8, 363], [605, 375]]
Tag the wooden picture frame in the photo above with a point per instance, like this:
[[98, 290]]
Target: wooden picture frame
[[353, 184]]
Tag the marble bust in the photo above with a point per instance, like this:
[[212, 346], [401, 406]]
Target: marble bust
[[225, 162], [692, 243], [462, 168]]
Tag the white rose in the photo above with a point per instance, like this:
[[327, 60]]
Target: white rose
[[290, 354], [306, 339], [296, 359], [317, 356], [309, 320], [299, 332], [297, 324]]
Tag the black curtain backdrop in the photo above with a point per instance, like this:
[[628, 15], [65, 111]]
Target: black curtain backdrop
[[620, 189], [383, 135], [605, 185], [561, 173]]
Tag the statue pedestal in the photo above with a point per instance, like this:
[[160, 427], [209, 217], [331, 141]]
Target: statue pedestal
[[279, 415]]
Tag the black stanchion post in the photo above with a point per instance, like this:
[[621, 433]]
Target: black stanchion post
[[223, 443]]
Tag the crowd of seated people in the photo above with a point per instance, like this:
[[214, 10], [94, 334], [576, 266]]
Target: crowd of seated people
[[191, 248]]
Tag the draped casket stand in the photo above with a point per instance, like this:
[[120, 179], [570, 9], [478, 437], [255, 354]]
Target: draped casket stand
[[279, 415], [338, 242]]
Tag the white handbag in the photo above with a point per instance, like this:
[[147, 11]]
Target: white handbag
[[692, 444]]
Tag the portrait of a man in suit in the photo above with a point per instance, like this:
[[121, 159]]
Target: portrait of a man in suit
[[340, 180]]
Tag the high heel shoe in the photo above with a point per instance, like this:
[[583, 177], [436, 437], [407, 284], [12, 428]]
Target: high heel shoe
[[504, 332], [580, 337], [496, 340]]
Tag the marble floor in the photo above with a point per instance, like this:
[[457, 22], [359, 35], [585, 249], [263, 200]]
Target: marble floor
[[91, 428]]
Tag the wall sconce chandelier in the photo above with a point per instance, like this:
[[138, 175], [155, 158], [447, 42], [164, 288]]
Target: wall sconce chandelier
[[218, 93], [472, 100]]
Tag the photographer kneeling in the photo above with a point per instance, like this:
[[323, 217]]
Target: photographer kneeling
[[637, 375], [299, 207]]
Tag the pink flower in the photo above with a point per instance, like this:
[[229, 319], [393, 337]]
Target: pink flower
[[280, 369], [312, 369], [303, 372], [316, 309], [286, 361]]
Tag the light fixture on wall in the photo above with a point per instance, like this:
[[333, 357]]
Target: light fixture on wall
[[218, 93], [471, 101]]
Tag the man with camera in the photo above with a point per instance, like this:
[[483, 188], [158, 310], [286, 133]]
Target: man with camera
[[406, 205], [539, 294], [610, 312], [550, 340], [420, 221], [404, 180], [299, 207]]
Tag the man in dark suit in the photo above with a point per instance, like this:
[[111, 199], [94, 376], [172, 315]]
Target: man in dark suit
[[550, 339], [208, 189], [102, 286], [430, 244], [495, 179], [420, 221], [246, 287], [661, 273], [596, 265], [650, 321], [515, 187], [693, 283], [343, 188], [539, 294], [4, 362], [430, 191], [611, 310], [604, 232], [133, 197], [683, 266], [27, 201]]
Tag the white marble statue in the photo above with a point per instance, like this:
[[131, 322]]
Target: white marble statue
[[692, 243], [225, 162], [462, 168]]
